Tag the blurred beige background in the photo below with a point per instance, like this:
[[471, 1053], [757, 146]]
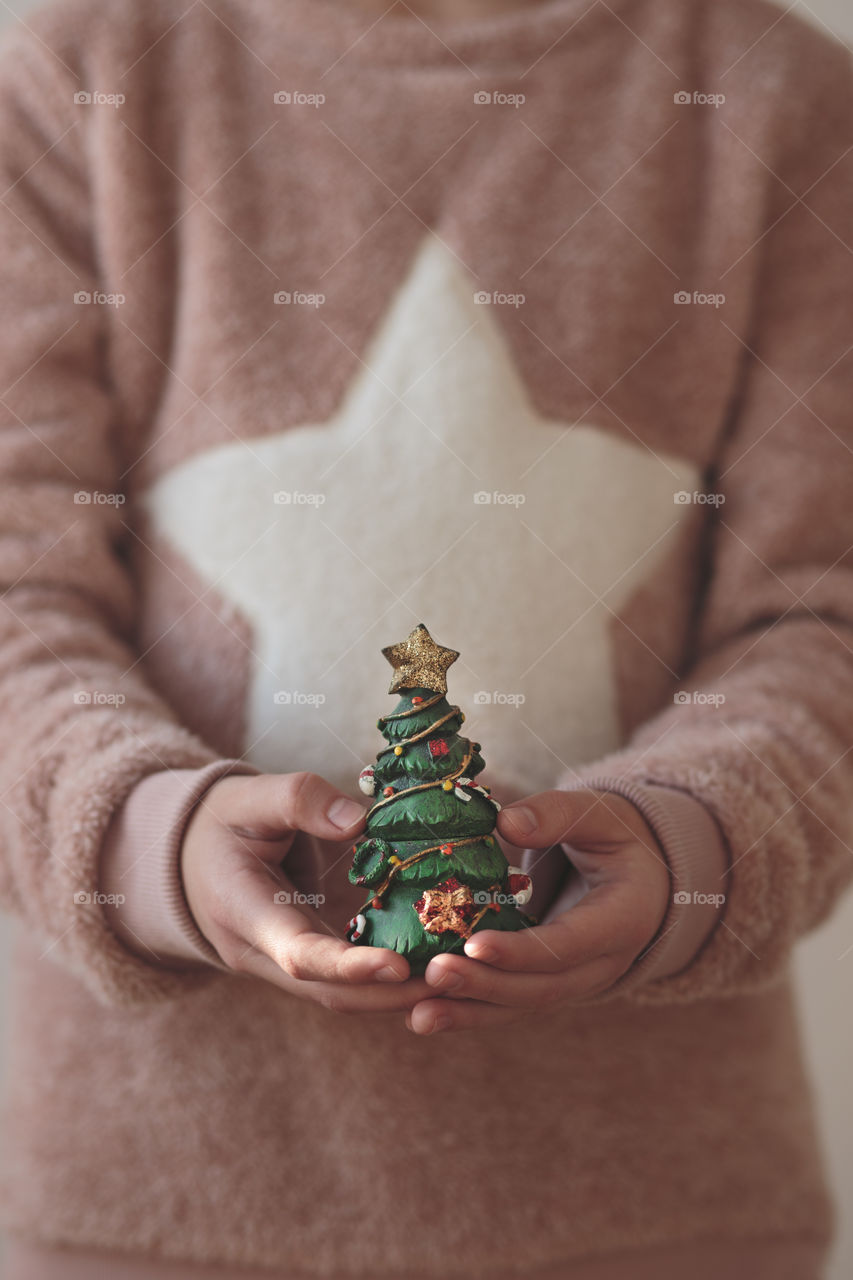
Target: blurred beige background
[[825, 960]]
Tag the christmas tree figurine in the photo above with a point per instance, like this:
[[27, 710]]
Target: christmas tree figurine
[[432, 868]]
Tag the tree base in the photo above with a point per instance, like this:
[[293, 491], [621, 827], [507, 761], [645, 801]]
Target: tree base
[[398, 925]]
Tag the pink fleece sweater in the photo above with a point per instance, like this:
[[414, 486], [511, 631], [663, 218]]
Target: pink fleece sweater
[[537, 329]]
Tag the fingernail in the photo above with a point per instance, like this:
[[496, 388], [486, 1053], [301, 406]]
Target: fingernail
[[344, 812], [444, 978], [523, 818], [388, 974], [486, 954], [440, 1023]]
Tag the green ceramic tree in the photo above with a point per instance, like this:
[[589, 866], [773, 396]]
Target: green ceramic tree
[[434, 872]]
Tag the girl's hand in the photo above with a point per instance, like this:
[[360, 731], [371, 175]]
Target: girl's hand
[[235, 887], [584, 947]]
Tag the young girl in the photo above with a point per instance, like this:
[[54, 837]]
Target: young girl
[[533, 324]]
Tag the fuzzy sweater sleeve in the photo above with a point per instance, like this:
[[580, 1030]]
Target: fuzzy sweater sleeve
[[80, 725], [759, 731]]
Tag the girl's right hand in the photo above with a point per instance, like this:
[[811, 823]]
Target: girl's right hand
[[231, 852]]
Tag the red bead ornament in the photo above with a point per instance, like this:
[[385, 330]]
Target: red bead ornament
[[416, 702], [437, 747], [387, 791], [376, 903], [446, 849]]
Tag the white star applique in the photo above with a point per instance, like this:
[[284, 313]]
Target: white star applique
[[404, 507]]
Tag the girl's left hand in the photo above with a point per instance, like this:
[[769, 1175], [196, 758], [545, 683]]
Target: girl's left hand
[[585, 945]]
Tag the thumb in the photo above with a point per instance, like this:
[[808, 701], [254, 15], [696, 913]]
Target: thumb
[[585, 817], [269, 806]]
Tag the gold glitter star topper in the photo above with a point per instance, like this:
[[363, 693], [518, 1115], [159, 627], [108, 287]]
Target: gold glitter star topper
[[419, 663]]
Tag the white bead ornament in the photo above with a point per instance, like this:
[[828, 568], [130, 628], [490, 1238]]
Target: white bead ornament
[[367, 781]]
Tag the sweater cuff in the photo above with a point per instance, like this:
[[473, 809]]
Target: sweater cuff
[[698, 861], [140, 873]]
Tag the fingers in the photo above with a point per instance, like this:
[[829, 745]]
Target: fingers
[[251, 916], [464, 980], [238, 900], [264, 938], [270, 805], [429, 1016], [483, 997], [370, 997], [589, 818], [532, 971], [605, 922]]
